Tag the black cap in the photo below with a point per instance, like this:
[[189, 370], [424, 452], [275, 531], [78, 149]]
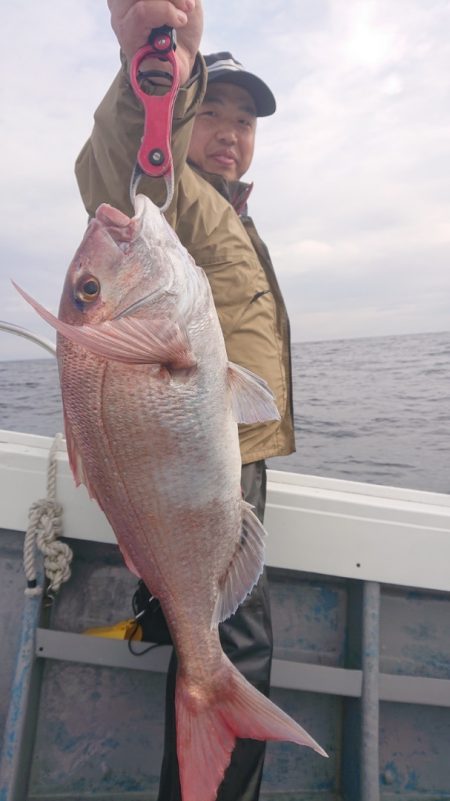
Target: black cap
[[223, 67]]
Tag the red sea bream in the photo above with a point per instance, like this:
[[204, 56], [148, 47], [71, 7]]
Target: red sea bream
[[151, 406]]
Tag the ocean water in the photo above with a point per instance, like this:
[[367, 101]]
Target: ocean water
[[374, 409]]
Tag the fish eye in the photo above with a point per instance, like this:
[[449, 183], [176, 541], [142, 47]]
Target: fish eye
[[88, 289]]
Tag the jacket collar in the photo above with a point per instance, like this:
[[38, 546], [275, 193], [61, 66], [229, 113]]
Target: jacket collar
[[236, 192]]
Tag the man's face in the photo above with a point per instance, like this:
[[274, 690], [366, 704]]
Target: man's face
[[223, 136]]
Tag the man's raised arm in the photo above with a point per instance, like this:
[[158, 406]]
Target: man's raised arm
[[132, 21], [105, 164]]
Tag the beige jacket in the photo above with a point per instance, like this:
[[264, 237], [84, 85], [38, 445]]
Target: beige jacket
[[246, 293]]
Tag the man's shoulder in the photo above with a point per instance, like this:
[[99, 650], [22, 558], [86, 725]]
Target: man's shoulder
[[213, 194], [196, 183], [201, 199], [207, 224], [234, 192]]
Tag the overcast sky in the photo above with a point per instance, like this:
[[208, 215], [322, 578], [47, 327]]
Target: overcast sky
[[352, 174]]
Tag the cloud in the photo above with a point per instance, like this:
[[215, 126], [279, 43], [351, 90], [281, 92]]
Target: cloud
[[56, 60], [358, 163], [351, 174]]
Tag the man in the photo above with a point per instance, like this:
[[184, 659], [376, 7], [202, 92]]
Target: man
[[212, 143]]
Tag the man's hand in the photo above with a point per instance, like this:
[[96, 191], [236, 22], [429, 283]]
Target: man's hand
[[132, 21]]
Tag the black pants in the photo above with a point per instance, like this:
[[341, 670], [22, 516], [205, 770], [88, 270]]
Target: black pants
[[247, 640]]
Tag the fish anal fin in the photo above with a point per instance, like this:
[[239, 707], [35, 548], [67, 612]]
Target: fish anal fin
[[244, 569], [207, 728], [251, 397]]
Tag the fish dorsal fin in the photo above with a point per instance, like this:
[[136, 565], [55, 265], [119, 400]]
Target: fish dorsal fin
[[251, 396], [244, 569]]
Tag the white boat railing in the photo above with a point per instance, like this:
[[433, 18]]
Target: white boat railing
[[318, 525]]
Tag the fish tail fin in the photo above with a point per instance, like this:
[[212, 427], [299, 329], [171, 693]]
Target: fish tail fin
[[207, 731]]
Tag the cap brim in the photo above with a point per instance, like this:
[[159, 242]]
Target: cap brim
[[263, 98]]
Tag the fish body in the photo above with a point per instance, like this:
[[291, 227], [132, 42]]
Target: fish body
[[151, 406]]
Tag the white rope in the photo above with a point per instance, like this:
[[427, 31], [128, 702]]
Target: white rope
[[44, 529]]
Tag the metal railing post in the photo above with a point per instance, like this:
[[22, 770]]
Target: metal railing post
[[20, 728], [370, 782]]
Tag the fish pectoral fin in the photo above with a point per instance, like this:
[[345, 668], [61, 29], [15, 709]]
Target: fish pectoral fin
[[126, 339], [244, 569], [135, 341], [251, 397]]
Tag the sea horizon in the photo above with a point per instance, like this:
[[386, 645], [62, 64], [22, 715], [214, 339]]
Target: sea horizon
[[293, 343], [369, 409]]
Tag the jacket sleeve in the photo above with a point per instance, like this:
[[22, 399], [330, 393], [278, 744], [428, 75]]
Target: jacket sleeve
[[103, 168]]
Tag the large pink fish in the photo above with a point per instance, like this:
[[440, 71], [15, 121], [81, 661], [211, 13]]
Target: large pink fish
[[151, 407]]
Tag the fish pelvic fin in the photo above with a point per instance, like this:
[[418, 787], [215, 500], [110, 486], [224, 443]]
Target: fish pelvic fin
[[251, 397], [75, 460], [207, 732], [244, 569], [81, 477]]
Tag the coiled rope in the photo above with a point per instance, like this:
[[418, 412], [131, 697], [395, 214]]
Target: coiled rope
[[43, 532]]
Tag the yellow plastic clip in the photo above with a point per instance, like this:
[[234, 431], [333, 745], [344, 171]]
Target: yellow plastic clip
[[123, 630]]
